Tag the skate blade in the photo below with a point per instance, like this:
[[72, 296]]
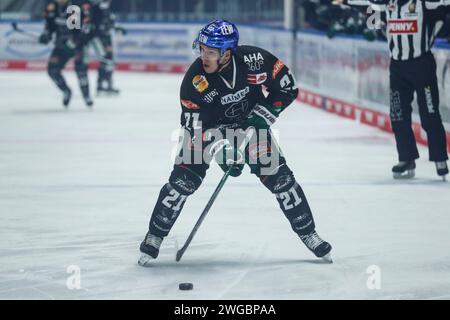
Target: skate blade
[[408, 174], [327, 258], [145, 260]]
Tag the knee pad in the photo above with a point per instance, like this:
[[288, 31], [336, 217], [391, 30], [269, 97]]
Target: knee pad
[[282, 181], [185, 180]]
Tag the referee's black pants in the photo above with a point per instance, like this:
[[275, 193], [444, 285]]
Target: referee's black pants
[[406, 77]]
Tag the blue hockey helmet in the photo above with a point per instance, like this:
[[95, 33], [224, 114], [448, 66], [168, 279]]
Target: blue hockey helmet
[[219, 34]]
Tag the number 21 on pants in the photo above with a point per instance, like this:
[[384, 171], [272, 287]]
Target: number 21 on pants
[[174, 200], [290, 198]]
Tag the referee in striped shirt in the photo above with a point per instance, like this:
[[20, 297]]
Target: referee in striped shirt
[[411, 28]]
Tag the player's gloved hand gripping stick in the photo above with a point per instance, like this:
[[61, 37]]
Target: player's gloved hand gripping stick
[[262, 116], [230, 158]]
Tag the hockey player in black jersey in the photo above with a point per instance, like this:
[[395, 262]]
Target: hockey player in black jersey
[[104, 21], [222, 93], [68, 44]]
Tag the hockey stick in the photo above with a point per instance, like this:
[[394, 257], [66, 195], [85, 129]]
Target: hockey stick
[[444, 72], [25, 33], [203, 215]]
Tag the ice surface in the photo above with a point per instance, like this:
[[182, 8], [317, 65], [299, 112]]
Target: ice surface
[[77, 188]]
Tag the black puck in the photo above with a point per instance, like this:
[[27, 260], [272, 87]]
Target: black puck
[[186, 286]]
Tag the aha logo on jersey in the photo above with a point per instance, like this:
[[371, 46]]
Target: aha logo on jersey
[[200, 83], [403, 26], [254, 61], [277, 68], [189, 104], [249, 58]]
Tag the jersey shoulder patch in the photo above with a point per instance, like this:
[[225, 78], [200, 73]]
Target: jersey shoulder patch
[[194, 70], [277, 68], [257, 63], [200, 83], [195, 77], [194, 86]]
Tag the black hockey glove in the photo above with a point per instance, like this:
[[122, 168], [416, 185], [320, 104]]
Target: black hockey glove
[[69, 46], [262, 117], [230, 156], [44, 38], [121, 30]]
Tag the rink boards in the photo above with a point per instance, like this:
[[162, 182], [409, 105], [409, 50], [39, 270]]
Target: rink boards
[[344, 75]]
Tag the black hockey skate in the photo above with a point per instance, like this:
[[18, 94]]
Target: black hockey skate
[[441, 169], [88, 101], [404, 170], [66, 98], [149, 249], [107, 90], [317, 245]]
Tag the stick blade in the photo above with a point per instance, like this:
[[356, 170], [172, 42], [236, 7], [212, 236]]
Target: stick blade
[[179, 255]]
